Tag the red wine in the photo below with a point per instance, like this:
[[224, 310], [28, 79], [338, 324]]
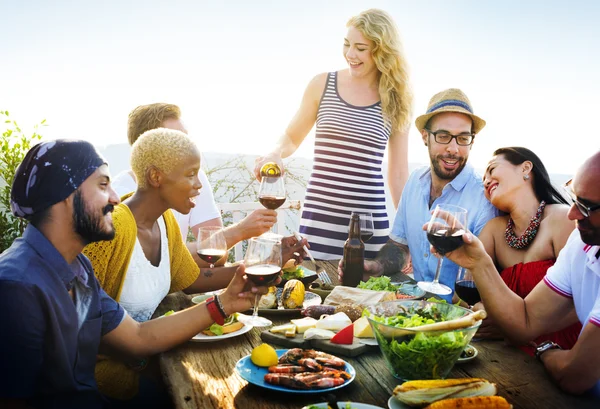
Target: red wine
[[366, 236], [211, 255], [263, 274], [467, 291], [445, 241], [271, 202]]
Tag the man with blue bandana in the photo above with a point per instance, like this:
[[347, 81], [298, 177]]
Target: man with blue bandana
[[55, 318], [448, 129]]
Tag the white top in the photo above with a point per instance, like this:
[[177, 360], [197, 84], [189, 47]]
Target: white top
[[576, 275], [205, 209], [145, 285]]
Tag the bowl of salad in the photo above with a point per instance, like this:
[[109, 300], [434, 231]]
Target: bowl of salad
[[419, 339]]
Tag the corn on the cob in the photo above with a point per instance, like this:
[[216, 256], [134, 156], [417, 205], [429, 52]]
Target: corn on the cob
[[480, 402], [434, 383], [421, 393]]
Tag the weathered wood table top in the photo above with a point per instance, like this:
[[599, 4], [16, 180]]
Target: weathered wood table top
[[202, 375]]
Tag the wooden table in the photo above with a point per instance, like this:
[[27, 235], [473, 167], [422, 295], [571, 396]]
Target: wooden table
[[202, 375]]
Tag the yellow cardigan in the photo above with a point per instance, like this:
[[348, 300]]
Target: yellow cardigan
[[110, 260]]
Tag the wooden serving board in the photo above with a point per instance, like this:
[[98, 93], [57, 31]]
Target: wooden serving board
[[356, 348]]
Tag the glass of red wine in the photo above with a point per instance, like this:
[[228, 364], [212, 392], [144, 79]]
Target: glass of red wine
[[211, 244], [263, 266], [444, 231], [272, 192], [465, 287], [366, 226]]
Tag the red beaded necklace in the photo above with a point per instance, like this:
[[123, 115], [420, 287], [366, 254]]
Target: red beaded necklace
[[528, 235]]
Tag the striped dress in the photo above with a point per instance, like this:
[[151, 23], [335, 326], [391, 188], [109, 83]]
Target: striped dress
[[346, 176]]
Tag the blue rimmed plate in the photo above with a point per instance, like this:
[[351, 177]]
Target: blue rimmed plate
[[256, 376]]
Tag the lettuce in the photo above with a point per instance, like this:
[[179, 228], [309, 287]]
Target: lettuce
[[297, 273], [216, 329], [424, 355], [382, 283]]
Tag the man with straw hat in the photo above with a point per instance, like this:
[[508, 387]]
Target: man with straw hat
[[448, 129]]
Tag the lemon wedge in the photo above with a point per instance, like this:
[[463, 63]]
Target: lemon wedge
[[264, 355]]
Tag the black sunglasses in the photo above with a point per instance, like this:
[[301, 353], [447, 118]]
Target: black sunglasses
[[585, 210]]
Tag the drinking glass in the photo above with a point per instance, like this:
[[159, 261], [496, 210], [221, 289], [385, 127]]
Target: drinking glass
[[263, 265], [465, 287], [211, 244], [366, 226], [444, 231], [272, 192]]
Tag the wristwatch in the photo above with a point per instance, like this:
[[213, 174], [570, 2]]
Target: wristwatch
[[545, 346]]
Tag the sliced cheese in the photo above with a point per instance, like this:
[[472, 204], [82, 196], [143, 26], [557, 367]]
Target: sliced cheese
[[362, 328], [316, 333], [281, 329], [291, 333], [334, 322], [302, 324]]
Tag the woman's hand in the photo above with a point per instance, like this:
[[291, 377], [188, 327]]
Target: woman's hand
[[240, 293], [261, 160], [292, 248]]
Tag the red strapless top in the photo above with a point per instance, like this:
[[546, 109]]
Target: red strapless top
[[522, 278]]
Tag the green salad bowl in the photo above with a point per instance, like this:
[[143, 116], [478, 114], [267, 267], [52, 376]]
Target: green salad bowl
[[414, 354]]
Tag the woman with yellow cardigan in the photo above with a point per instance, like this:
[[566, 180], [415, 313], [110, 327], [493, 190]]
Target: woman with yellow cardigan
[[148, 259]]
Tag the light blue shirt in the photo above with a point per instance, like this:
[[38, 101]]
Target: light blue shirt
[[466, 190]]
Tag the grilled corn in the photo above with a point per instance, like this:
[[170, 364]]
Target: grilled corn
[[421, 393], [479, 402]]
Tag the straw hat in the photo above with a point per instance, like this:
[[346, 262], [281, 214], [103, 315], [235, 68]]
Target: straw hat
[[450, 100]]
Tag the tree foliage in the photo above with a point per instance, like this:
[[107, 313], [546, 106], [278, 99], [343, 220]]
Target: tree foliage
[[14, 144]]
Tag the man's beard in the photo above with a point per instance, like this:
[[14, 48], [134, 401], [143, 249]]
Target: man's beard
[[88, 225], [443, 174]]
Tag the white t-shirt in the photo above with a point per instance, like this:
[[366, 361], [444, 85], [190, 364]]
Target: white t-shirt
[[206, 208], [576, 275]]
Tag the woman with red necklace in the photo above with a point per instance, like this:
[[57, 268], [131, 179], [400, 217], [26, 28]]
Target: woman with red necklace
[[525, 242]]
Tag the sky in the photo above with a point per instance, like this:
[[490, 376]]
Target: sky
[[238, 68]]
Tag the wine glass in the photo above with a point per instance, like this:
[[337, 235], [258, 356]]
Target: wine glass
[[263, 265], [444, 231], [366, 226], [211, 244], [465, 287], [271, 195]]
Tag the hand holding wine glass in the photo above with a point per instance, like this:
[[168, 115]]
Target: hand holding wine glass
[[211, 244], [263, 265], [444, 232]]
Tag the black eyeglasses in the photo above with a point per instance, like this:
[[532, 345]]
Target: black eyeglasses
[[585, 210], [445, 137]]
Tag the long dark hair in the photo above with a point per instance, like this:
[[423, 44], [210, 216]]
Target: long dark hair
[[541, 180]]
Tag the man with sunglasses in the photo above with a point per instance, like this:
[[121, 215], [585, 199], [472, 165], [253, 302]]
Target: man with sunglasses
[[448, 129], [569, 292]]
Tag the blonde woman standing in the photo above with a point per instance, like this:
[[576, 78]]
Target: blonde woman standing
[[358, 111]]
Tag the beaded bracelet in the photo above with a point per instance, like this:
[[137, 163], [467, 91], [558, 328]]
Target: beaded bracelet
[[215, 312]]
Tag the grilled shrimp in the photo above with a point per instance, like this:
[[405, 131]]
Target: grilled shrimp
[[310, 363], [285, 380], [326, 383], [287, 369]]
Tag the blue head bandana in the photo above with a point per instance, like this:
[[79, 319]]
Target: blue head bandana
[[50, 172]]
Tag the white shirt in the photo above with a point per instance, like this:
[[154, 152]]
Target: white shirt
[[576, 275], [205, 209], [146, 285]]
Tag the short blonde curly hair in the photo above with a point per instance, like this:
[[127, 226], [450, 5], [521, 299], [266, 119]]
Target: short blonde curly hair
[[161, 148]]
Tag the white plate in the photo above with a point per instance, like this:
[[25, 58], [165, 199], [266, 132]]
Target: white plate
[[394, 403], [212, 338], [204, 296], [342, 405]]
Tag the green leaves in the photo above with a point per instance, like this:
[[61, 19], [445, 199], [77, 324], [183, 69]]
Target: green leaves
[[14, 144]]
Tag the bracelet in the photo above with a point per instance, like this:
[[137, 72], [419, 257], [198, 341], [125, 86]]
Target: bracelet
[[220, 305], [215, 312]]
